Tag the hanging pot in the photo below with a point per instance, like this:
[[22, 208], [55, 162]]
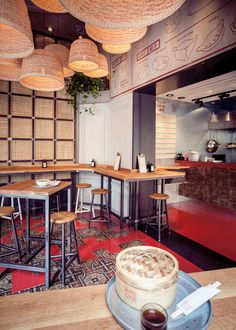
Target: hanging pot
[[212, 145]]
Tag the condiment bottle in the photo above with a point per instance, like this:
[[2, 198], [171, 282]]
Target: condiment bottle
[[151, 167], [92, 163], [44, 164]]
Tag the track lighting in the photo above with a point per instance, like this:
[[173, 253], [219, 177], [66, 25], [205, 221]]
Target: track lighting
[[221, 96]]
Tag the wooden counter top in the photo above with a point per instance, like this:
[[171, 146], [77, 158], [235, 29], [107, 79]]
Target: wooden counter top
[[85, 308], [28, 188], [31, 169], [206, 164], [123, 174]]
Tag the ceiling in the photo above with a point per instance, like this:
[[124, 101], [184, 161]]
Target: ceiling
[[208, 91], [66, 27]]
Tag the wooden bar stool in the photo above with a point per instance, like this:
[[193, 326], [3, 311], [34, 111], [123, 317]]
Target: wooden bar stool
[[101, 217], [8, 213], [161, 205], [16, 213], [80, 198], [63, 219]]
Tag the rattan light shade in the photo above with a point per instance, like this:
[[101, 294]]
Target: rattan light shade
[[115, 36], [121, 14], [102, 71], [16, 40], [62, 53], [83, 55], [53, 6], [116, 49], [10, 69], [42, 71]]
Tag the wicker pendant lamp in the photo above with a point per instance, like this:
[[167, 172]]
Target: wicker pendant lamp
[[116, 49], [42, 71], [102, 71], [10, 69], [114, 36], [62, 53], [53, 6], [16, 40], [83, 55], [121, 14]]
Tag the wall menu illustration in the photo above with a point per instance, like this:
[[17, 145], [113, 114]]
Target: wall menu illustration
[[197, 31]]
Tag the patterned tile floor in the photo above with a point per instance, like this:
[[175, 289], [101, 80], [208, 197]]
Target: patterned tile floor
[[202, 237], [98, 247]]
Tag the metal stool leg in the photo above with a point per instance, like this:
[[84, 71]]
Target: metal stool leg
[[107, 209], [148, 215], [19, 208], [15, 237], [76, 243], [77, 200], [63, 254], [90, 202], [167, 216], [91, 210], [159, 221], [81, 200], [58, 203]]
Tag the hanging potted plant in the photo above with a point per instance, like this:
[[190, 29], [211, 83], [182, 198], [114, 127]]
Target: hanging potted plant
[[85, 87]]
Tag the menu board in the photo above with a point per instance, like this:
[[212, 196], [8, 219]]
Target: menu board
[[196, 31], [120, 73]]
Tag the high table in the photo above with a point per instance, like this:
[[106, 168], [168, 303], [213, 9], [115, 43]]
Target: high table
[[123, 175], [85, 308], [26, 189]]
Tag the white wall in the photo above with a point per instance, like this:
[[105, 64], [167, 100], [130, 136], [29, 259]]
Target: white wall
[[104, 134], [120, 129]]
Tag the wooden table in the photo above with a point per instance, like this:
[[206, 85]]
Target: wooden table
[[85, 308], [123, 175], [26, 189]]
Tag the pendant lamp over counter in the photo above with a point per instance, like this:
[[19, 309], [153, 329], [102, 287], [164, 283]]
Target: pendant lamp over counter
[[16, 39], [83, 55], [116, 49], [62, 53], [114, 36], [102, 71], [42, 71], [121, 14], [53, 6], [10, 69]]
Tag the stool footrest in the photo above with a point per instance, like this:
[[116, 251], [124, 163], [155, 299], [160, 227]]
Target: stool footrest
[[155, 226], [69, 262]]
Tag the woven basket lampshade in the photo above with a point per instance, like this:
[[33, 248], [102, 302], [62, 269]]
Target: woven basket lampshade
[[16, 39], [116, 49], [83, 55], [53, 6], [121, 14], [10, 69], [115, 36], [102, 71], [42, 71], [62, 53]]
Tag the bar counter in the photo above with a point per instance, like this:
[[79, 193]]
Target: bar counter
[[85, 307], [189, 163], [123, 174]]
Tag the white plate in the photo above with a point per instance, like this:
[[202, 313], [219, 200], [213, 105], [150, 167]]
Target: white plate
[[50, 184]]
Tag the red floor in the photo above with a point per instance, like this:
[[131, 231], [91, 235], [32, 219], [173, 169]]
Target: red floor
[[211, 226], [24, 279]]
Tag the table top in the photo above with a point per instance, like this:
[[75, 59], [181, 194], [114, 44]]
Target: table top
[[124, 174], [85, 307], [27, 189]]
